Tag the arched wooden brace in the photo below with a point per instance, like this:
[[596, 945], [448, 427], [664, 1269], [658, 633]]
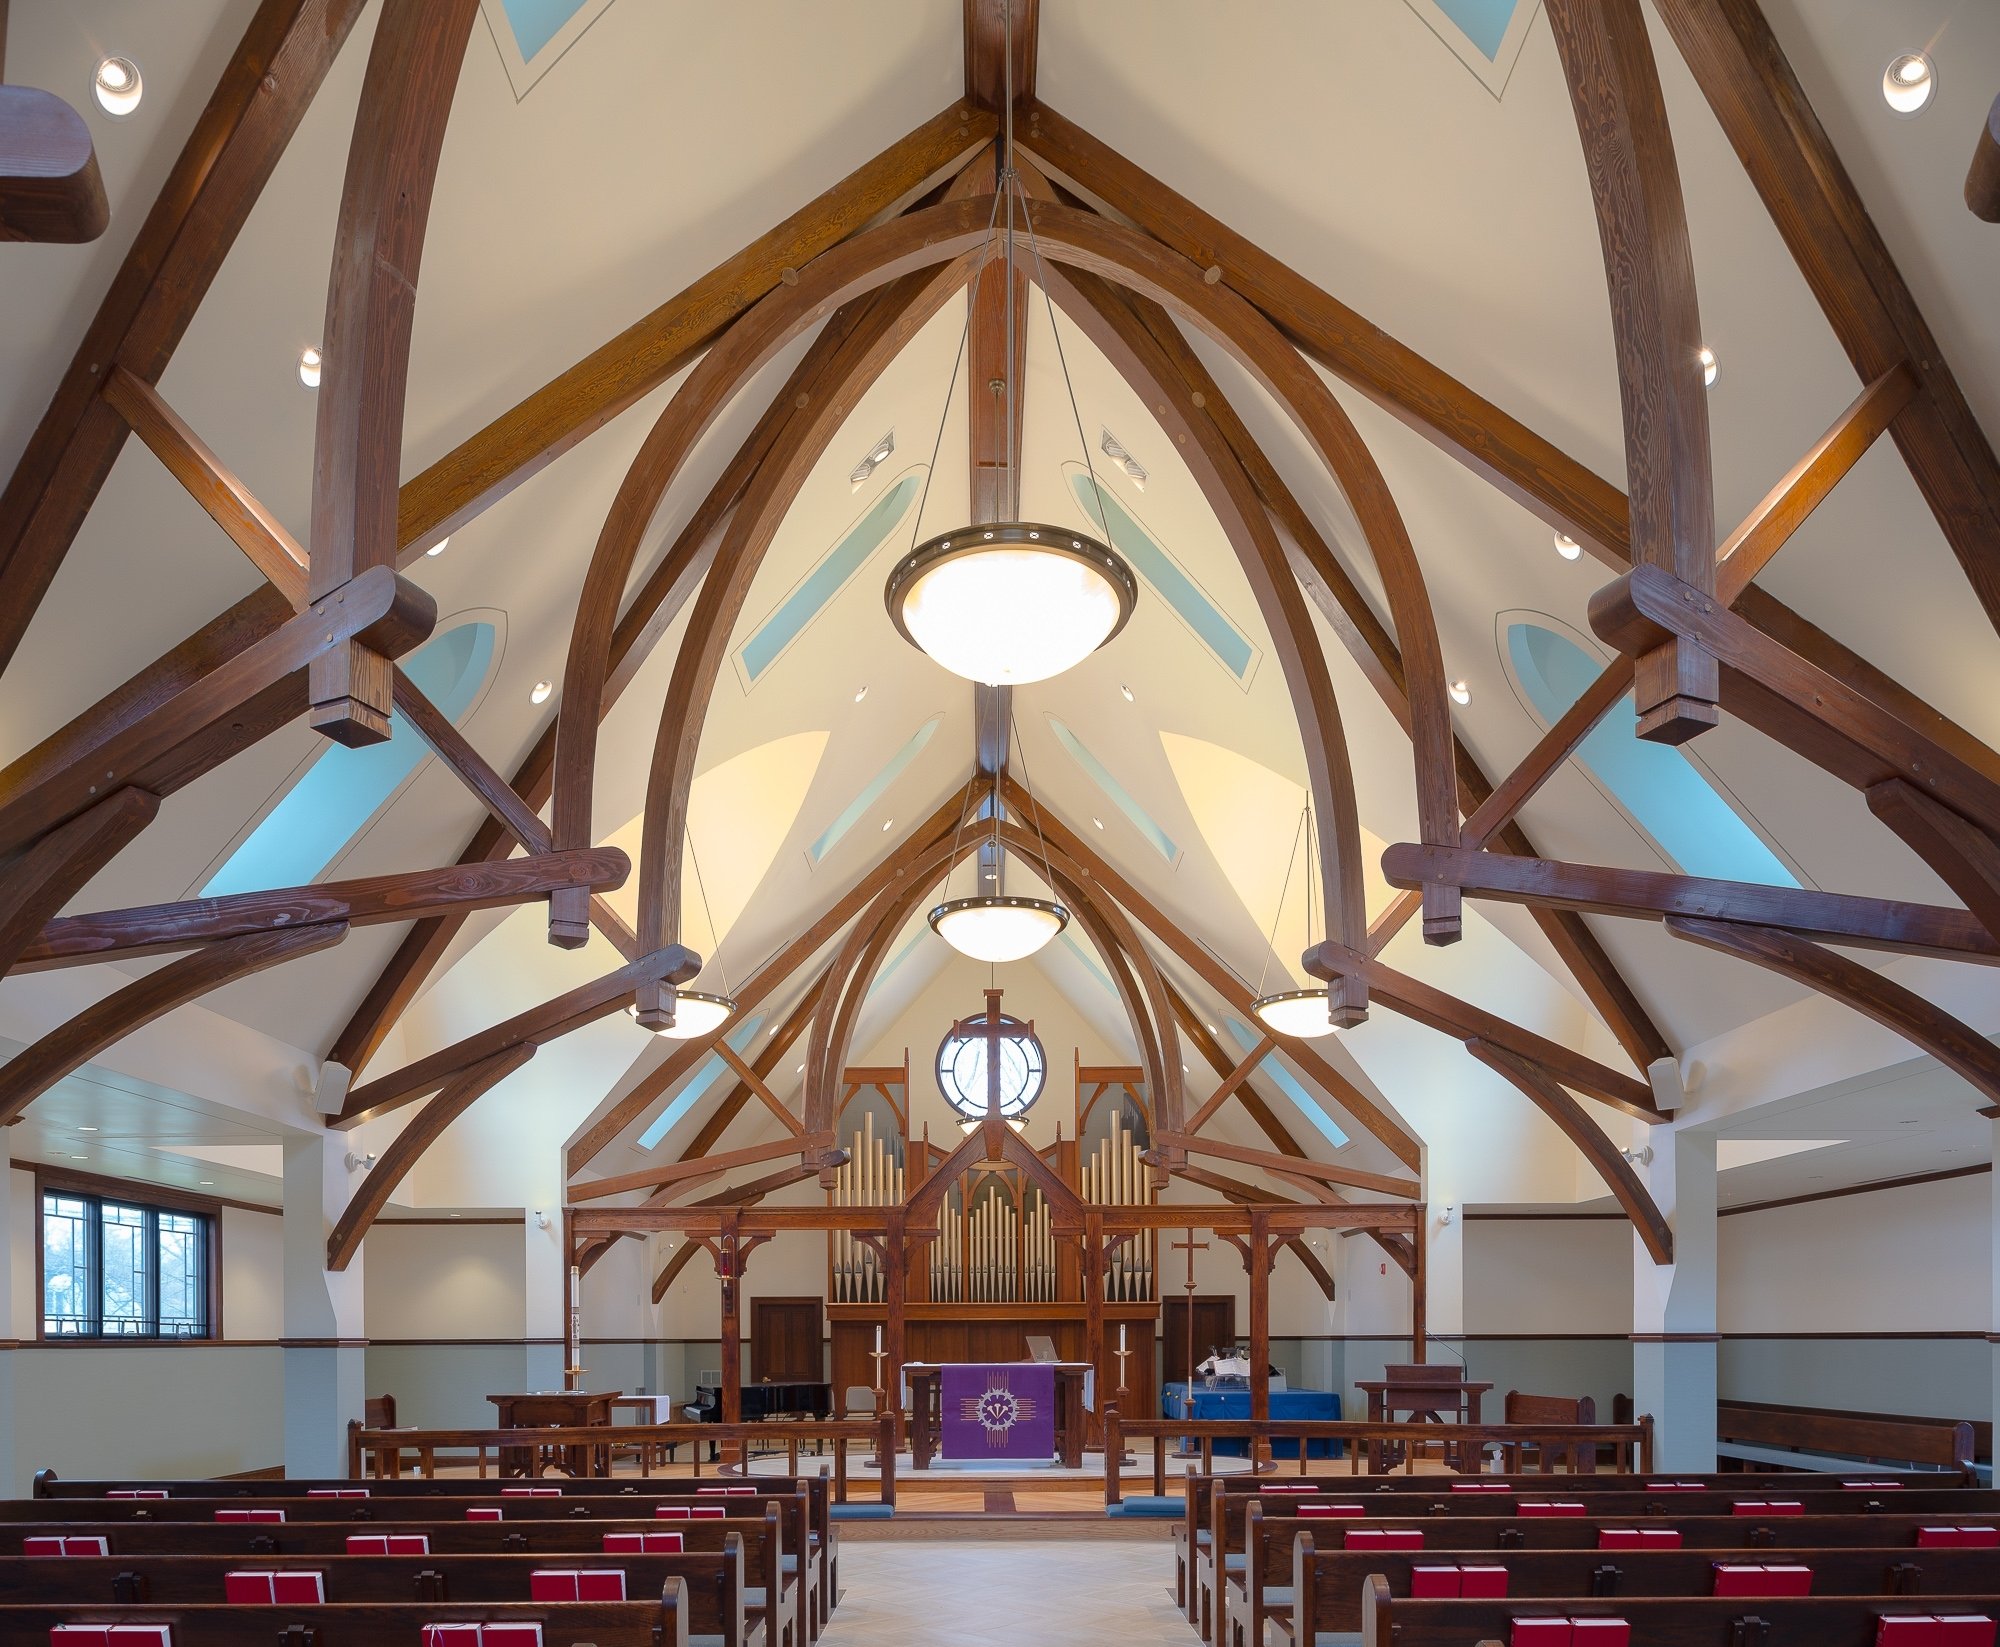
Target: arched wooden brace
[[1548, 1095], [1951, 1041], [371, 303], [69, 1046], [1101, 247], [424, 1130], [1635, 187], [855, 269], [55, 868]]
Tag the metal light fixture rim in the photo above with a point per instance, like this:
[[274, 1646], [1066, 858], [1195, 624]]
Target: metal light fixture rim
[[999, 900], [1026, 534], [728, 1004], [1317, 992]]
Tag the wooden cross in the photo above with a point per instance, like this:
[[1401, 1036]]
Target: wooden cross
[[1190, 1246]]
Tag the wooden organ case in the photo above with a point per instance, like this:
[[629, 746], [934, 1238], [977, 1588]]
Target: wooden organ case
[[996, 1273]]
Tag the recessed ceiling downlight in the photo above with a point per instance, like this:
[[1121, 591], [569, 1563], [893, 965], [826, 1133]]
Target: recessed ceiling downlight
[[1567, 546], [540, 692], [1708, 367], [310, 366], [1909, 82], [118, 86], [1460, 692]]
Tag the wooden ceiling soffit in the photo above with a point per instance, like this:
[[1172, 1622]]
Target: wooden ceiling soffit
[[539, 1024], [1348, 613], [1965, 857], [49, 873], [1953, 1043], [371, 302], [1547, 1095], [68, 1047], [686, 1056], [161, 742], [372, 1194], [1158, 276], [127, 934], [986, 45], [529, 436], [904, 309], [1830, 917], [1770, 122], [1090, 865], [1635, 185], [236, 143], [1463, 1021], [911, 244], [1861, 736], [647, 617], [50, 188]]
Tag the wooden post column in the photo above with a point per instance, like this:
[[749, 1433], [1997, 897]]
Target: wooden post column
[[728, 1270], [1257, 1260], [1420, 1239], [1093, 1305], [895, 1294]]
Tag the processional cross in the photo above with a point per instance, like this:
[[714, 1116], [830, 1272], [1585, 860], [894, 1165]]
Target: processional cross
[[1190, 1246]]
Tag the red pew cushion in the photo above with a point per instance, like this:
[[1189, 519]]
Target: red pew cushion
[[1736, 1578], [1539, 1632], [1638, 1538], [1384, 1538], [69, 1544], [1958, 1538], [482, 1512], [1549, 1507], [1434, 1584], [1600, 1632], [1927, 1630], [1482, 1583]]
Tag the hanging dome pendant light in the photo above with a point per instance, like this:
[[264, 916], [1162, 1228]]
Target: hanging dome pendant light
[[1298, 1014], [1009, 602], [998, 928], [1012, 603]]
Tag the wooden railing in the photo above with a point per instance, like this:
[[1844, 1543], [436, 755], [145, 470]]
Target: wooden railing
[[587, 1450], [1631, 1444], [1936, 1443]]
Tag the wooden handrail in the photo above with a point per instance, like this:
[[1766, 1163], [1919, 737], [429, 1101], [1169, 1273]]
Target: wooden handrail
[[1633, 1443], [591, 1439]]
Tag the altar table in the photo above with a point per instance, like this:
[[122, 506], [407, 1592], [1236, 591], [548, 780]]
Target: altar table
[[924, 1381]]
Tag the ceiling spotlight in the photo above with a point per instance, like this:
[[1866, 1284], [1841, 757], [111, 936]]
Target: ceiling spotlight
[[1135, 471], [206, 1183], [118, 86], [1098, 821], [1909, 82], [1708, 367], [86, 1129], [1567, 546], [1300, 1013], [888, 824], [541, 691], [1126, 691], [438, 548], [859, 695], [1211, 1029], [79, 1158], [878, 454], [309, 371], [1460, 692]]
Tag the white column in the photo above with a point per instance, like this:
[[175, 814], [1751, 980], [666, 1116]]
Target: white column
[[1993, 1317], [1444, 1257], [546, 1324], [1673, 1305], [324, 1344]]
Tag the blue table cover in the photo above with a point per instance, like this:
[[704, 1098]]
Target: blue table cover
[[1213, 1404]]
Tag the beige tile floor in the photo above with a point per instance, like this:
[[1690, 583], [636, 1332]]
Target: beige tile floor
[[1076, 1592]]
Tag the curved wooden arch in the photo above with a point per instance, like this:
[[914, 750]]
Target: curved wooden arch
[[1547, 1095], [371, 301], [1130, 259]]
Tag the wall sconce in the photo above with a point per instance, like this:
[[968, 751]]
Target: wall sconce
[[1446, 1216], [360, 1163], [541, 1219], [1641, 1157]]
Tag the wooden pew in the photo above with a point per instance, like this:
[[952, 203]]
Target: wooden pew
[[1831, 1434], [779, 1606], [1822, 1621], [1307, 1579], [804, 1562], [1521, 1408], [712, 1581], [662, 1623]]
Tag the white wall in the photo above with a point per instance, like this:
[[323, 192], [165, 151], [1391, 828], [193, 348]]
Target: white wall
[[1542, 1276]]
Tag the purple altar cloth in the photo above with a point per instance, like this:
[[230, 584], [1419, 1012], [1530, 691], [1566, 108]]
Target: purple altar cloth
[[1006, 1410]]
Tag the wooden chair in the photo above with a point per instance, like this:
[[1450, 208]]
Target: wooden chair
[[378, 1412], [1522, 1408]]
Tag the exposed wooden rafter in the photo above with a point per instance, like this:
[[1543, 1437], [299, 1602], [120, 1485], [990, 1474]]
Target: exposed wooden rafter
[[988, 30], [50, 188], [39, 881]]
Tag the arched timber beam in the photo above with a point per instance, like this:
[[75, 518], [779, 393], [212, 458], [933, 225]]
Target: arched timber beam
[[1071, 237], [1635, 186], [1547, 1095], [1127, 333], [68, 1047], [1952, 1042], [1964, 856], [413, 68], [424, 1129], [908, 306], [57, 867]]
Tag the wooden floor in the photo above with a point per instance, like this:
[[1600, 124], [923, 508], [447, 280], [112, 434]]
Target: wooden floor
[[1079, 1592]]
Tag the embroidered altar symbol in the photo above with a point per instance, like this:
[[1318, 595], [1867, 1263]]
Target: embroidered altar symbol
[[997, 1409]]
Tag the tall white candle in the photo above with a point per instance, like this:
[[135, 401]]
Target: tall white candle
[[1121, 1335], [878, 1336]]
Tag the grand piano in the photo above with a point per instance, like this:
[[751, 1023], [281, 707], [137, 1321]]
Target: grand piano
[[786, 1398]]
